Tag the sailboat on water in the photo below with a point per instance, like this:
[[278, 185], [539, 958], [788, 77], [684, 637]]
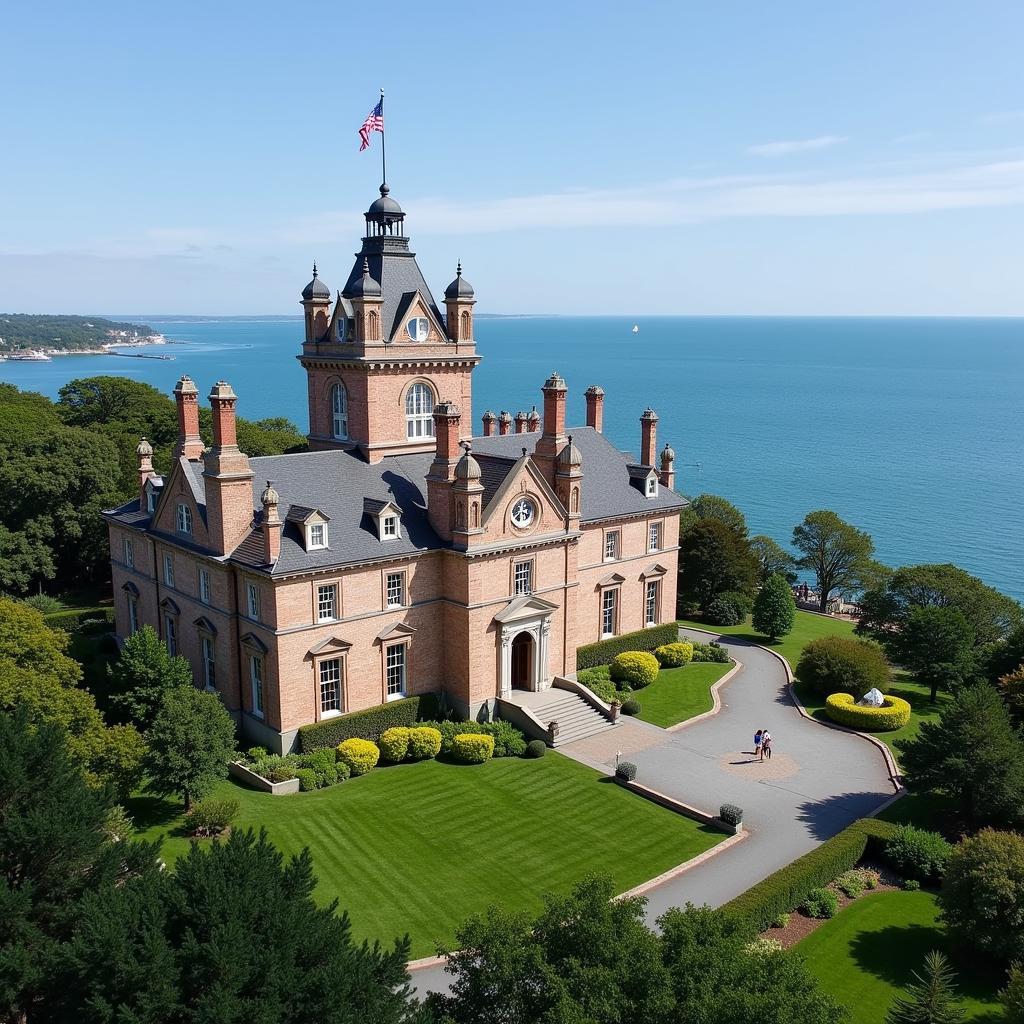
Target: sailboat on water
[[636, 328]]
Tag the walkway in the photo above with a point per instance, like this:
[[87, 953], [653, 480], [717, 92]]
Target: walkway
[[818, 781]]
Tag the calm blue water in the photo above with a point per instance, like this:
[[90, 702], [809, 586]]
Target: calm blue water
[[913, 429]]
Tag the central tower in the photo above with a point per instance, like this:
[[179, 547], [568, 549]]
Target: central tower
[[378, 363]]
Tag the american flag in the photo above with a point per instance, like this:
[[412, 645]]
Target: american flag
[[374, 123]]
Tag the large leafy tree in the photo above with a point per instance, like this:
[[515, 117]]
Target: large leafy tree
[[973, 756], [936, 644], [712, 506], [54, 850], [1005, 656], [886, 609], [772, 558], [129, 405], [931, 998], [232, 934], [839, 555], [713, 559], [774, 607], [191, 740], [143, 674]]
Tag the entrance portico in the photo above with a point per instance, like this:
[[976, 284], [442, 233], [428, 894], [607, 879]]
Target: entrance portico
[[524, 633]]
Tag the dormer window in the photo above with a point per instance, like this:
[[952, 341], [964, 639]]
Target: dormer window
[[418, 328], [317, 536], [184, 519], [385, 516], [652, 486], [313, 525], [389, 528]]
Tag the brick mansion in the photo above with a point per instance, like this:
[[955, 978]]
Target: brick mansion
[[402, 554]]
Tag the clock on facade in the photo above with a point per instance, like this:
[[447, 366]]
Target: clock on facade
[[522, 513]]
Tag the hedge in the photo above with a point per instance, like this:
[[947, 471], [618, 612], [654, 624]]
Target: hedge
[[368, 724], [592, 655], [74, 619], [789, 887], [894, 713]]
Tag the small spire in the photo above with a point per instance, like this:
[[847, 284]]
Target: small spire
[[524, 451], [458, 269], [314, 268], [366, 266]]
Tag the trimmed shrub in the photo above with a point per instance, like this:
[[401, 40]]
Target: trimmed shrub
[[472, 748], [424, 742], [360, 755], [789, 887], [674, 655], [821, 903], [508, 740], [780, 920], [713, 652], [625, 770], [893, 714], [631, 706], [210, 817], [369, 724], [536, 748], [635, 668], [643, 640], [342, 769], [730, 814], [76, 620], [307, 779], [917, 853], [850, 883], [834, 664], [394, 743], [605, 689]]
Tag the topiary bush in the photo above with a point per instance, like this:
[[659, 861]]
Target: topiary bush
[[210, 817], [307, 779], [842, 664], [536, 748], [394, 743], [730, 814], [424, 743], [675, 654], [635, 668], [449, 730], [473, 748], [360, 755], [508, 740], [821, 903], [917, 853], [631, 706], [713, 652], [642, 640], [626, 771], [893, 714]]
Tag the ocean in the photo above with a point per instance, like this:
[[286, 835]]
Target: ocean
[[910, 428]]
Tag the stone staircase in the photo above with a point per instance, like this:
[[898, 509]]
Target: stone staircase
[[575, 717]]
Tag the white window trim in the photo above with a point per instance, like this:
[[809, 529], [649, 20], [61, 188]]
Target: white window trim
[[335, 602], [170, 634], [610, 535], [183, 519], [340, 709], [419, 420], [652, 487], [529, 564], [614, 591], [384, 520], [310, 545], [655, 531], [129, 553], [254, 660], [168, 570], [339, 417], [252, 601], [405, 671], [205, 587], [648, 585], [208, 643], [133, 615], [405, 597]]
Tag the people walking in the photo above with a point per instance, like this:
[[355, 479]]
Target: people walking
[[766, 745], [757, 742]]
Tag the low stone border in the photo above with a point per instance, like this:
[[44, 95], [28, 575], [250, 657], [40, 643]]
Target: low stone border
[[679, 869], [254, 781], [716, 705], [671, 804]]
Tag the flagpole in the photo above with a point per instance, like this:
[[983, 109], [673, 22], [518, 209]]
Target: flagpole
[[383, 158]]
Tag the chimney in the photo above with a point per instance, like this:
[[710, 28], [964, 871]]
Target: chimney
[[489, 420], [668, 468], [504, 422], [186, 397], [272, 525], [553, 439], [648, 436], [442, 469], [227, 475], [144, 450], [595, 406], [520, 422], [534, 420]]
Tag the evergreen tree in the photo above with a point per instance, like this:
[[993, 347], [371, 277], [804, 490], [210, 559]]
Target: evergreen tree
[[936, 644], [143, 674], [931, 999], [191, 741], [972, 755], [1012, 997], [774, 608]]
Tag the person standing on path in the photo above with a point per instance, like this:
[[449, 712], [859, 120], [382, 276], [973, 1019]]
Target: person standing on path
[[766, 745], [757, 742]]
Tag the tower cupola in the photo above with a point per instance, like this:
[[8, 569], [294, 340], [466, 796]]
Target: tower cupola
[[316, 300], [385, 216], [458, 303], [316, 289], [460, 288], [365, 287]]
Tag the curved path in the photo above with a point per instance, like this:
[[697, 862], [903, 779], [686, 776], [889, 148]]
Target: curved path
[[818, 781]]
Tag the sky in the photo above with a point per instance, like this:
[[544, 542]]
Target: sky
[[792, 158]]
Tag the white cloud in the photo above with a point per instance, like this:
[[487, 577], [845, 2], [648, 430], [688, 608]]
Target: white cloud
[[1002, 117], [795, 146]]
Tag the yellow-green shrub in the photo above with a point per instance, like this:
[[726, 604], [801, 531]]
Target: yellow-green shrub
[[394, 743], [360, 755], [424, 742], [894, 713], [674, 655], [473, 748], [635, 668]]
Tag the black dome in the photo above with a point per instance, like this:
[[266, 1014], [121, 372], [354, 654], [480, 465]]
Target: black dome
[[316, 289], [460, 288], [385, 206]]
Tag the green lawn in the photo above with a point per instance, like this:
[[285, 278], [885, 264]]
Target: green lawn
[[679, 694], [865, 955], [417, 848]]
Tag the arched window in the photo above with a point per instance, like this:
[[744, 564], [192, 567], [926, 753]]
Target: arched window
[[464, 331], [575, 501], [339, 407], [419, 411]]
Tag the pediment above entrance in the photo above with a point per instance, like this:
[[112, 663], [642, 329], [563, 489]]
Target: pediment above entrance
[[528, 606]]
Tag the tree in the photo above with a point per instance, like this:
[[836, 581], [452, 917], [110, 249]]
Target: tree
[[134, 408], [711, 506], [1012, 997], [843, 664], [973, 756], [53, 851], [713, 560], [839, 554], [1005, 656], [885, 609], [936, 644], [774, 608], [191, 741], [232, 933], [931, 998], [982, 895], [772, 558], [144, 673], [1011, 689]]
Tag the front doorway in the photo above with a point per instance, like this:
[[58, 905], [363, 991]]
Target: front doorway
[[522, 662]]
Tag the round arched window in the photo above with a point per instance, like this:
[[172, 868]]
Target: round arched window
[[419, 411], [339, 406]]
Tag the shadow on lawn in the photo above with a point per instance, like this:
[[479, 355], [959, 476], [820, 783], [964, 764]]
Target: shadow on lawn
[[152, 812]]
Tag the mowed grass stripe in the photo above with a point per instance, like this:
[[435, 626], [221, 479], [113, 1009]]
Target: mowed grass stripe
[[679, 694], [417, 848]]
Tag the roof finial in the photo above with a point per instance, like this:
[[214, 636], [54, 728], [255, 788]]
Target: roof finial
[[366, 265], [524, 451], [314, 268], [458, 269]]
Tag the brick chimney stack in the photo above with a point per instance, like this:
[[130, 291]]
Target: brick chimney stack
[[648, 437], [520, 422], [504, 422], [534, 420], [272, 524], [186, 398], [595, 406], [144, 450], [489, 420], [228, 476], [668, 468], [553, 439], [442, 470]]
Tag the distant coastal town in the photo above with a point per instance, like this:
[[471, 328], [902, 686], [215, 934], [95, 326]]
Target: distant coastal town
[[38, 338]]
